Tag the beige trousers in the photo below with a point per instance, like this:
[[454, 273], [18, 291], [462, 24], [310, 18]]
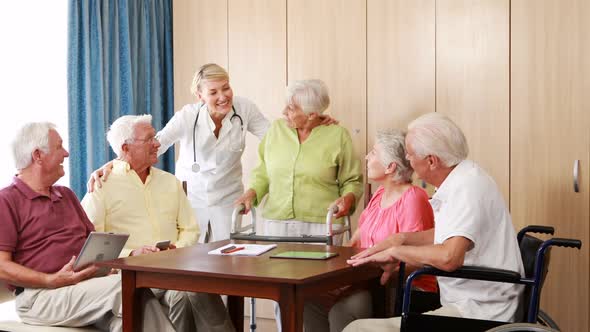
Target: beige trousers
[[358, 305], [95, 301], [394, 324], [195, 311]]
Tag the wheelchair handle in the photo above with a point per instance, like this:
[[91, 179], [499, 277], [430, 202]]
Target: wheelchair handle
[[567, 243], [535, 229], [539, 229]]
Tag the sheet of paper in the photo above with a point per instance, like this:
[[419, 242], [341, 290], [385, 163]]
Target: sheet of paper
[[249, 249]]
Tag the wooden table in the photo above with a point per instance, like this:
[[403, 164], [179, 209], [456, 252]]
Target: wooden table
[[287, 281]]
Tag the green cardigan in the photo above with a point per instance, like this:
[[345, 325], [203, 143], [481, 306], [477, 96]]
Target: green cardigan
[[302, 180]]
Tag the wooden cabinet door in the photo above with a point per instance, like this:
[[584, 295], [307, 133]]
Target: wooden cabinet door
[[400, 64], [472, 78], [550, 128], [200, 37], [257, 67], [327, 40]]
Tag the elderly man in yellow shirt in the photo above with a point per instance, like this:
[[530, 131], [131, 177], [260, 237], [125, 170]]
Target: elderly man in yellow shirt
[[150, 205]]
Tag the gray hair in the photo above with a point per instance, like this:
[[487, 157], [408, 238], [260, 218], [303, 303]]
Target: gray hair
[[393, 150], [207, 72], [435, 134], [30, 137], [311, 95], [122, 129]]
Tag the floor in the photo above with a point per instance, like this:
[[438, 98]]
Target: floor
[[262, 325], [7, 312]]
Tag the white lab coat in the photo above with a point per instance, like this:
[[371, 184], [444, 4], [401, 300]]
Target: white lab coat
[[218, 184]]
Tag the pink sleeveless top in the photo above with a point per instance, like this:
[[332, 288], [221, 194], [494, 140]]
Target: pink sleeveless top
[[410, 213]]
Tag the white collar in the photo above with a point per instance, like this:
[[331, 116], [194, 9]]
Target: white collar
[[450, 181]]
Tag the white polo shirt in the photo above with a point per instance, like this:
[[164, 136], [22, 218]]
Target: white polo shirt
[[469, 204]]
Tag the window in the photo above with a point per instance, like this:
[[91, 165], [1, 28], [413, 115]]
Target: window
[[33, 72]]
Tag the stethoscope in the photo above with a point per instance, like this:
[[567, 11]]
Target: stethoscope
[[196, 168]]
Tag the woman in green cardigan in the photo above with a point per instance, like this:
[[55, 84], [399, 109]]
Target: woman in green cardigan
[[304, 167]]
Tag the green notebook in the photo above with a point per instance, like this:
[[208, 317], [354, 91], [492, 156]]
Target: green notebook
[[305, 254]]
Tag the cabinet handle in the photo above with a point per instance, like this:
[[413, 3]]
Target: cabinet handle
[[576, 176]]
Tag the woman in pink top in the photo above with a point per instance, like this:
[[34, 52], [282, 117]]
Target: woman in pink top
[[397, 206]]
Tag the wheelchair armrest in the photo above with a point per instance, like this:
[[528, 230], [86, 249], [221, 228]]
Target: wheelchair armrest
[[465, 272], [473, 272]]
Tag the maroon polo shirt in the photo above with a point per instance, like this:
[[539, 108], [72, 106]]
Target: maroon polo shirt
[[42, 233]]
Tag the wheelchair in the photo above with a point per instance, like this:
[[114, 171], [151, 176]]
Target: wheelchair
[[535, 255]]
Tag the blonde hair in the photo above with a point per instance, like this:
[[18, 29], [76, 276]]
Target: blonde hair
[[436, 134], [311, 95], [208, 72]]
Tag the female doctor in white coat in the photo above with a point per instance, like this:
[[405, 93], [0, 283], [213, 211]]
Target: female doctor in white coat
[[211, 134]]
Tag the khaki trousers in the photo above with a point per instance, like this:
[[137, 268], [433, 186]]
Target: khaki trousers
[[394, 324], [357, 305], [195, 311], [95, 301]]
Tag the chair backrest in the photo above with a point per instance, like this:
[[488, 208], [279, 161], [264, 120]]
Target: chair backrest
[[529, 245]]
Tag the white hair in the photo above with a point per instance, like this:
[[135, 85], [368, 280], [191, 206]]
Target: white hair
[[393, 150], [435, 134], [122, 129], [30, 137], [311, 95]]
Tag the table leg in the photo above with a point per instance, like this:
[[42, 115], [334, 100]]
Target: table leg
[[291, 304], [131, 305], [381, 304], [235, 307]]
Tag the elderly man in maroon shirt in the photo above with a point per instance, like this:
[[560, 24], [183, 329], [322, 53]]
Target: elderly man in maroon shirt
[[42, 228]]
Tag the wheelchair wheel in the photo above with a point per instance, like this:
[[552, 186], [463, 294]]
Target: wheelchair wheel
[[544, 319], [522, 327]]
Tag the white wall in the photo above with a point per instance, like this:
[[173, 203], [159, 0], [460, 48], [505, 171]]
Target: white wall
[[33, 71]]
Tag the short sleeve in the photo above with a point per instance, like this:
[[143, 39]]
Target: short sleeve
[[8, 224], [417, 212], [461, 216]]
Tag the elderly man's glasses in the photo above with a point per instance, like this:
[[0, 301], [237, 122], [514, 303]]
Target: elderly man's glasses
[[151, 140]]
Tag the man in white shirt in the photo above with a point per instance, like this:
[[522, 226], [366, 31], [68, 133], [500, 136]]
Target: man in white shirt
[[150, 205], [472, 227]]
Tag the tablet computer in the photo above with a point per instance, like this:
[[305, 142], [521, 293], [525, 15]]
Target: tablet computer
[[100, 247], [305, 254]]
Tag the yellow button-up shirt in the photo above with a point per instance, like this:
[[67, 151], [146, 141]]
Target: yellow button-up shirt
[[153, 211]]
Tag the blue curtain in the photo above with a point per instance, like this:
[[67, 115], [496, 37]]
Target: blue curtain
[[119, 63]]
